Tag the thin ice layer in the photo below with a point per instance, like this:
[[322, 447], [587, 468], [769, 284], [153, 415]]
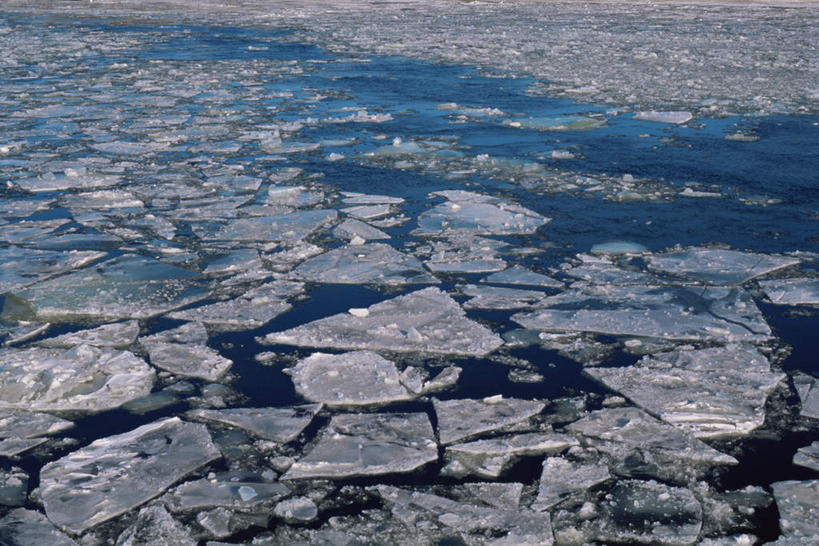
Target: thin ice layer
[[671, 312], [355, 445], [426, 321], [119, 473], [711, 393], [83, 378], [359, 264]]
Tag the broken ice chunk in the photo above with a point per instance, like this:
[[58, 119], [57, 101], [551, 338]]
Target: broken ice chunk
[[359, 264], [798, 510], [712, 393], [368, 212], [83, 378], [560, 123], [119, 473], [719, 266], [426, 321], [23, 266], [607, 273], [465, 254], [351, 379], [22, 527], [293, 196], [352, 228], [637, 444], [495, 297], [296, 510], [118, 335], [673, 312], [473, 213], [280, 425], [356, 445], [562, 478], [225, 492], [154, 525], [648, 512], [288, 227], [808, 457], [128, 286], [520, 275], [189, 360], [792, 291], [353, 198], [677, 118], [62, 183], [28, 424], [808, 391], [463, 419], [13, 487], [491, 458], [192, 332]]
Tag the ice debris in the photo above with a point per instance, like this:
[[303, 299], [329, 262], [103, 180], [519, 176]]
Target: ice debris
[[426, 321], [355, 445], [464, 419], [280, 425], [154, 525], [105, 479]]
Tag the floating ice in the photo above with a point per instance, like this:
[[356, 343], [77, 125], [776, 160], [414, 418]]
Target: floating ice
[[84, 378], [562, 478], [296, 510], [351, 228], [477, 214], [490, 458], [289, 227], [53, 183], [189, 360], [808, 457], [718, 266], [602, 272], [154, 525], [119, 473], [522, 276], [808, 391], [425, 511], [369, 212], [293, 196], [118, 335], [676, 118], [13, 487], [465, 254], [129, 286], [353, 198], [358, 264], [280, 425], [351, 379], [675, 313], [20, 267], [464, 419], [618, 247], [495, 297], [369, 445], [798, 511], [711, 393], [560, 123], [792, 291], [22, 527], [426, 321], [197, 495], [28, 424], [639, 445]]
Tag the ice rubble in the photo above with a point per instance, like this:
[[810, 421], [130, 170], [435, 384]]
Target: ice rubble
[[477, 214], [128, 286], [719, 266], [711, 393], [464, 419], [801, 291], [105, 479], [279, 425], [359, 264], [673, 312], [84, 378], [426, 321], [369, 445]]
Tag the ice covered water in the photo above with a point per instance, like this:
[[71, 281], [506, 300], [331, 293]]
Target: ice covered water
[[615, 209]]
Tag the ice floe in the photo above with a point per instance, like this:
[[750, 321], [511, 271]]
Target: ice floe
[[465, 419], [23, 527], [719, 266], [804, 291], [562, 478], [279, 425], [796, 502]]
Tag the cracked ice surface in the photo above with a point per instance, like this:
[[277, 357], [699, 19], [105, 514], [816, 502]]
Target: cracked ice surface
[[104, 479], [712, 393], [369, 445], [426, 321], [84, 378]]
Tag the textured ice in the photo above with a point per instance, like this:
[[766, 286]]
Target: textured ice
[[296, 510], [116, 474], [369, 445], [359, 378], [129, 286], [636, 443], [718, 266], [353, 198], [280, 425], [13, 487], [490, 458], [226, 492], [673, 117], [426, 321], [154, 525], [711, 393], [648, 512], [352, 228], [118, 335], [83, 378], [358, 264], [562, 478], [20, 267], [465, 419], [22, 527], [28, 424], [808, 391], [602, 272], [464, 254], [290, 227], [521, 276], [496, 297], [808, 457], [798, 510], [477, 214], [426, 511], [54, 183], [803, 291], [188, 360], [675, 313], [369, 212]]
